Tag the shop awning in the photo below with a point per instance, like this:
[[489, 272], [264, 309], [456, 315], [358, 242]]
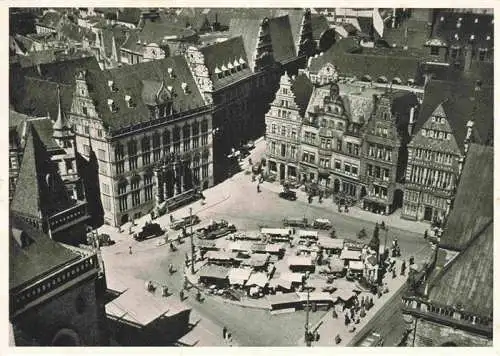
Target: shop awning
[[350, 255], [329, 243], [293, 277], [300, 261], [356, 265], [239, 275], [258, 279], [215, 272], [308, 234]]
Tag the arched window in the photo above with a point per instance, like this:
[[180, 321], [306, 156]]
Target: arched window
[[177, 134], [204, 126], [119, 152], [166, 138], [145, 144], [195, 128], [186, 132]]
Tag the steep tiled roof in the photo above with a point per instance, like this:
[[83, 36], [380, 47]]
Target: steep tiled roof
[[51, 19], [248, 29], [40, 256], [63, 71], [473, 205], [39, 189], [359, 65], [120, 34], [70, 31], [129, 80], [44, 128], [130, 15], [281, 39], [39, 97], [467, 280], [319, 25], [155, 31], [479, 25], [302, 88], [219, 54], [461, 103]]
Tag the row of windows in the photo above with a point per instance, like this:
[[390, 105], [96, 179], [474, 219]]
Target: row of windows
[[285, 150], [439, 157], [430, 177], [377, 172], [380, 152], [436, 134], [349, 168], [379, 192], [285, 131]]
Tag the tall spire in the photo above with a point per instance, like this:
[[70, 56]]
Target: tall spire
[[114, 55], [60, 124]]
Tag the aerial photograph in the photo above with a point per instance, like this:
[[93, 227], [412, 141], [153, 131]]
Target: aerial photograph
[[240, 177]]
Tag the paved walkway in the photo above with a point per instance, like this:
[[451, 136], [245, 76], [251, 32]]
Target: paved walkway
[[329, 327], [393, 220]]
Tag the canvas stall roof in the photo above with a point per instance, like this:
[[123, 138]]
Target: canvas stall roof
[[211, 271], [283, 298], [372, 260], [357, 265], [258, 279], [336, 265], [240, 246], [205, 244], [350, 255], [258, 260], [278, 282], [250, 235], [239, 275], [293, 277], [315, 297], [274, 248], [308, 233], [220, 255], [139, 307], [275, 231], [330, 243], [300, 261]]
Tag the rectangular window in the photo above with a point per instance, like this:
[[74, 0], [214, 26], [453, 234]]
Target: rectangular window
[[204, 140], [85, 112], [156, 155], [283, 131], [337, 164], [132, 163], [354, 170], [105, 188], [146, 159], [356, 149], [120, 167], [386, 174], [196, 142], [186, 145], [349, 147], [123, 203], [101, 154], [86, 129], [204, 171], [328, 143], [369, 170], [148, 193], [377, 171], [435, 50], [177, 147], [106, 202], [347, 168], [283, 150], [339, 145], [482, 54], [273, 128], [69, 164], [371, 150], [136, 198]]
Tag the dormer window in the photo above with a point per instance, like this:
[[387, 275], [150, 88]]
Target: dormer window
[[112, 106], [231, 68], [112, 86], [185, 88], [170, 89], [225, 70], [476, 20], [218, 72], [236, 65], [472, 37], [488, 38], [456, 36], [424, 132], [442, 18], [242, 63], [170, 72], [128, 100]]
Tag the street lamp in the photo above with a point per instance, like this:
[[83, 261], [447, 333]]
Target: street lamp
[[191, 239]]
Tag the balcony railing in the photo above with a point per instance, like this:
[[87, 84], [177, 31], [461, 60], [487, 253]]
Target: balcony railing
[[69, 216]]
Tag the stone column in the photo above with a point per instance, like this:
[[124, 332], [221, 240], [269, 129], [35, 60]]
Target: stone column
[[165, 182], [159, 184]]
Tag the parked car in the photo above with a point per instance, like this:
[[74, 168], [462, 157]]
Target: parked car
[[295, 222], [149, 230], [185, 222], [322, 224], [216, 229], [288, 195], [105, 240], [373, 340]]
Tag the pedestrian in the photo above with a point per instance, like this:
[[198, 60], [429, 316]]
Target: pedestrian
[[171, 218], [130, 250], [181, 295], [393, 273], [362, 303], [334, 313], [258, 188], [224, 332], [338, 339], [353, 313], [403, 268], [250, 162], [130, 230], [362, 313], [229, 338], [346, 321]]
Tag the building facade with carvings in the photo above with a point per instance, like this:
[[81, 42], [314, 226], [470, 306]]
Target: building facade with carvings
[[451, 117], [453, 306], [284, 127], [152, 134]]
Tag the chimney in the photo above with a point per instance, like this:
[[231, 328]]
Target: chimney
[[470, 125], [468, 58]]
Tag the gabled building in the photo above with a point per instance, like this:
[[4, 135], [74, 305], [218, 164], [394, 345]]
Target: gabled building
[[151, 131], [41, 198], [56, 292], [239, 89], [454, 305], [385, 137], [451, 117], [283, 127], [50, 22]]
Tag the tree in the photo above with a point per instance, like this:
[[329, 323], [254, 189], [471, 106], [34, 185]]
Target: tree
[[375, 241]]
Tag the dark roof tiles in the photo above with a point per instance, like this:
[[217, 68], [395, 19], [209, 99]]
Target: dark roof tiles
[[281, 39]]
